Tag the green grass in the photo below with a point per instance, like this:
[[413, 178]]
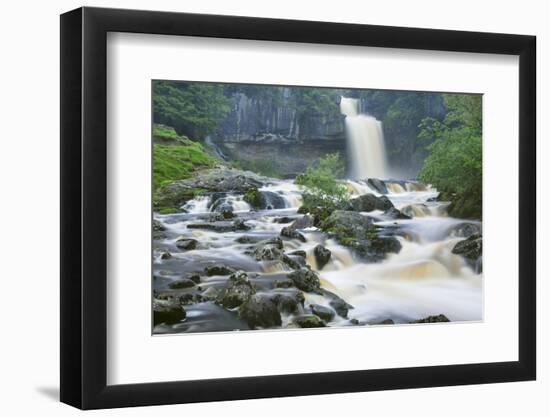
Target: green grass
[[176, 162], [164, 132]]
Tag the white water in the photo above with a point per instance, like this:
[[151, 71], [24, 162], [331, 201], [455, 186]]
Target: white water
[[366, 148], [425, 278]]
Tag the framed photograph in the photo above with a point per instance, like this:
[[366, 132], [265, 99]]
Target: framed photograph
[[258, 208]]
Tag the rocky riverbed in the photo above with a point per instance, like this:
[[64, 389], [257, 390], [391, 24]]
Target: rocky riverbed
[[240, 254]]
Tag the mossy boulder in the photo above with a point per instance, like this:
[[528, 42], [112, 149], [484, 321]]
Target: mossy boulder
[[167, 312], [237, 290], [308, 321], [305, 279], [369, 202], [182, 283], [260, 311], [184, 243], [359, 233], [324, 313], [218, 269], [471, 249]]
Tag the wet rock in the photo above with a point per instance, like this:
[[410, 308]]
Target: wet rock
[[237, 290], [158, 230], [355, 322], [290, 303], [259, 311], [283, 220], [470, 248], [254, 198], [369, 202], [246, 239], [272, 200], [325, 313], [294, 262], [466, 230], [226, 211], [292, 234], [382, 322], [165, 255], [308, 321], [301, 253], [393, 213], [221, 226], [322, 255], [358, 232], [194, 276], [186, 243], [283, 283], [268, 253], [168, 312], [305, 279], [378, 185], [433, 319], [218, 269], [182, 283], [340, 306], [189, 298], [210, 294]]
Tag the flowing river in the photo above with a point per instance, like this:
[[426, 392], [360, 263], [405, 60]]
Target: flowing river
[[423, 279]]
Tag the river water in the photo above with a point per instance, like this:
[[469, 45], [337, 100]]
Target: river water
[[425, 278]]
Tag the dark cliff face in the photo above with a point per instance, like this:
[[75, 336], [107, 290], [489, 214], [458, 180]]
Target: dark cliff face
[[264, 120]]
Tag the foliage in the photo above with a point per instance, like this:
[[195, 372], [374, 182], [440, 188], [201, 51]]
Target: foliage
[[321, 188], [193, 109], [165, 132], [254, 197], [454, 165], [171, 163]]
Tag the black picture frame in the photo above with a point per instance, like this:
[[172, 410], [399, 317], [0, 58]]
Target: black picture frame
[[84, 207]]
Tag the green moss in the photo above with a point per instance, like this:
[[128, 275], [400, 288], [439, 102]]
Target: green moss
[[463, 206], [167, 210], [254, 197], [175, 162], [165, 132]]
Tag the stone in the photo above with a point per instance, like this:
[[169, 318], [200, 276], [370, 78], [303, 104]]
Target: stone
[[324, 313], [259, 311], [305, 279], [322, 255]]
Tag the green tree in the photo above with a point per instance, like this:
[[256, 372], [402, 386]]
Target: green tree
[[454, 164], [321, 187], [193, 109]]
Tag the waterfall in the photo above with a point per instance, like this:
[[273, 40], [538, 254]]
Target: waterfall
[[366, 148]]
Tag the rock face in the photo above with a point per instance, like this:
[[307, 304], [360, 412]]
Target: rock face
[[322, 255], [260, 311], [306, 280], [238, 289], [358, 232], [167, 312]]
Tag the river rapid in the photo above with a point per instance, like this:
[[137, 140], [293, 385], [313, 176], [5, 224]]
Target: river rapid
[[423, 279]]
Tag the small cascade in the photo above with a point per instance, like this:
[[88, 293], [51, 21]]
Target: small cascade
[[365, 137]]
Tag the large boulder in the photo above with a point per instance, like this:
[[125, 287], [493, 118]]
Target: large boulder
[[358, 232], [322, 255], [259, 311], [305, 279], [369, 202], [324, 313], [167, 312], [290, 302], [237, 290]]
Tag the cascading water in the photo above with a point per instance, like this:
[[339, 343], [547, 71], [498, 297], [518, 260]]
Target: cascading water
[[367, 151]]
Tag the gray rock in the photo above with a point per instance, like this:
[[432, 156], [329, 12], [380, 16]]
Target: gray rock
[[308, 321], [292, 231], [393, 213], [168, 312], [186, 243], [369, 202], [237, 290], [221, 226], [322, 255], [259, 311], [470, 248], [433, 319], [325, 313], [182, 283], [378, 185], [165, 255], [218, 269], [305, 279]]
